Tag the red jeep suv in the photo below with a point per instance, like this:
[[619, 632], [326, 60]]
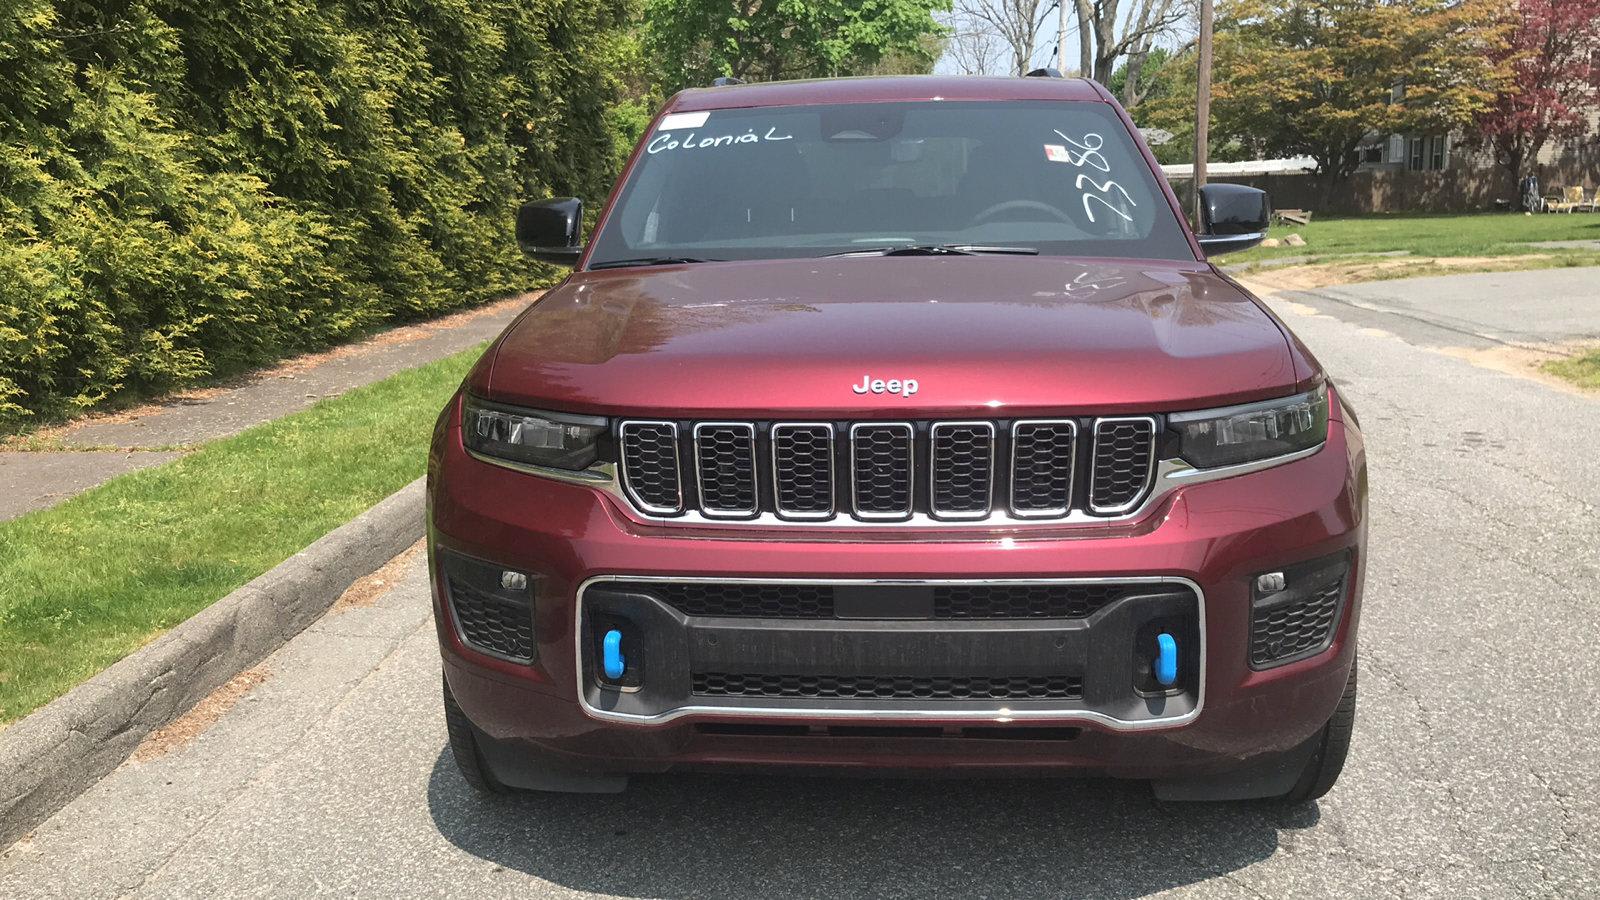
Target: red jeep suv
[[898, 424]]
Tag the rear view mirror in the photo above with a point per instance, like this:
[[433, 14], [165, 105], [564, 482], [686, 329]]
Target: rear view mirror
[[549, 230], [1233, 218]]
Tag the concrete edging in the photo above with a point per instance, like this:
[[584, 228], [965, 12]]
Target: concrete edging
[[57, 752]]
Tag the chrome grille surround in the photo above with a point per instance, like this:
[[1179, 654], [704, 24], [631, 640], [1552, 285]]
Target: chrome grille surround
[[725, 469], [884, 493], [954, 483], [1058, 478], [792, 477], [1121, 459], [644, 464]]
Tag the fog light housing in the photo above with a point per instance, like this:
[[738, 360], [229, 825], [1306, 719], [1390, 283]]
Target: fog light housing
[[1299, 618], [491, 606]]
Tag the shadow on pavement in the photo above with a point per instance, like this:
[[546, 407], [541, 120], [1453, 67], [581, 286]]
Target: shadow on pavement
[[725, 836]]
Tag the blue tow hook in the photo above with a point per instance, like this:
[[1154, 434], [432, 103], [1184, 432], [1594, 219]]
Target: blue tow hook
[[611, 651], [1166, 660]]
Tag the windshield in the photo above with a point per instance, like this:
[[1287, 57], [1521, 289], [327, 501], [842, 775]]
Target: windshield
[[1064, 178]]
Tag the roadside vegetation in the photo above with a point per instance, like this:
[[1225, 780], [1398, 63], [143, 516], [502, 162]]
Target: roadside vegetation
[[191, 189], [1489, 240], [1582, 370], [87, 582]]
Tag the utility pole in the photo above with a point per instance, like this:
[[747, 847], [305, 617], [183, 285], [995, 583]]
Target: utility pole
[[1202, 109]]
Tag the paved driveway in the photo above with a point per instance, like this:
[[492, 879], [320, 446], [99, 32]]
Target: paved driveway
[[1479, 311], [1474, 770]]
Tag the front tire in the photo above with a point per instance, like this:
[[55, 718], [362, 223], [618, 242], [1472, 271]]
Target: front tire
[[464, 747], [1325, 765]]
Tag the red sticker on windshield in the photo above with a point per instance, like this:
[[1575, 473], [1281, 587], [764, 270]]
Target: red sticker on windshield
[[1056, 153]]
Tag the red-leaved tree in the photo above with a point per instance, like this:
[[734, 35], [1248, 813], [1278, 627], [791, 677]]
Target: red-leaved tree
[[1553, 49]]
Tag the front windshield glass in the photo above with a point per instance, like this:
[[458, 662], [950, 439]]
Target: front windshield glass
[[1064, 178]]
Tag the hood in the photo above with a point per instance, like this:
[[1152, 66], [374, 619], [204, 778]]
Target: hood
[[1004, 336]]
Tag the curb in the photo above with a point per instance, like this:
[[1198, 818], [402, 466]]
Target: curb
[[56, 753]]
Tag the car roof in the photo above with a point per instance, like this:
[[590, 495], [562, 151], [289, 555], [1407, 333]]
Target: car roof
[[882, 89]]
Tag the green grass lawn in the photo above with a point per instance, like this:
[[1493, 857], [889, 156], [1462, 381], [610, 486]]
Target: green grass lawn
[[1476, 234], [1582, 370], [88, 581]]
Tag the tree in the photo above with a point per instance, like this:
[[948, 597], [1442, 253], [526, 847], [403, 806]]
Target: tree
[[1553, 52], [974, 48], [694, 41], [1166, 103], [1102, 41], [1147, 76], [1315, 77], [1016, 22]]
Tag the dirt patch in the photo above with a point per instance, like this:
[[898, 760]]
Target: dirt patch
[[366, 590], [197, 721], [1527, 362], [1321, 275]]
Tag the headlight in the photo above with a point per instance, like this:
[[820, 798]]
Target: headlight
[[537, 438], [1241, 434]]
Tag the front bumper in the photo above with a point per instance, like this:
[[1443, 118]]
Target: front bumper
[[1212, 538]]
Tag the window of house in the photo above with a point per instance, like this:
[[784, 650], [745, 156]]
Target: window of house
[[1373, 155], [1414, 157], [1436, 155]]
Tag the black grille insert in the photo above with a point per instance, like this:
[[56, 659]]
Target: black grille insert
[[1042, 455], [889, 687], [650, 466], [725, 461], [1124, 450], [881, 470], [962, 460], [802, 470]]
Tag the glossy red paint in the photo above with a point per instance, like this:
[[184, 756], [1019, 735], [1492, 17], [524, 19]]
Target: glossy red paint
[[1000, 336], [993, 337]]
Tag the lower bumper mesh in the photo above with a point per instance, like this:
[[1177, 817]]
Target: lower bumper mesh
[[889, 687]]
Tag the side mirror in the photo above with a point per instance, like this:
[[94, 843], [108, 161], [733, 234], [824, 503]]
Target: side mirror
[[550, 230], [1233, 218]]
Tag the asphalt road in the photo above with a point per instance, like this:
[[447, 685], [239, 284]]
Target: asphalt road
[[1474, 771]]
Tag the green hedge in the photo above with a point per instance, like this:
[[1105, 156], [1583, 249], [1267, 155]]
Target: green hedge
[[192, 187]]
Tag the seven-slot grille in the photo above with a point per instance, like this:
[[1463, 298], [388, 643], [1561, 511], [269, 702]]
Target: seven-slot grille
[[889, 471]]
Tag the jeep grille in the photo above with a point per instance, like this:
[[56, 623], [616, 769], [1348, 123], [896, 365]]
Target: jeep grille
[[1028, 469]]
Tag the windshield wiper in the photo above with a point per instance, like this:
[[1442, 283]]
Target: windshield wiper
[[649, 261], [938, 250]]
